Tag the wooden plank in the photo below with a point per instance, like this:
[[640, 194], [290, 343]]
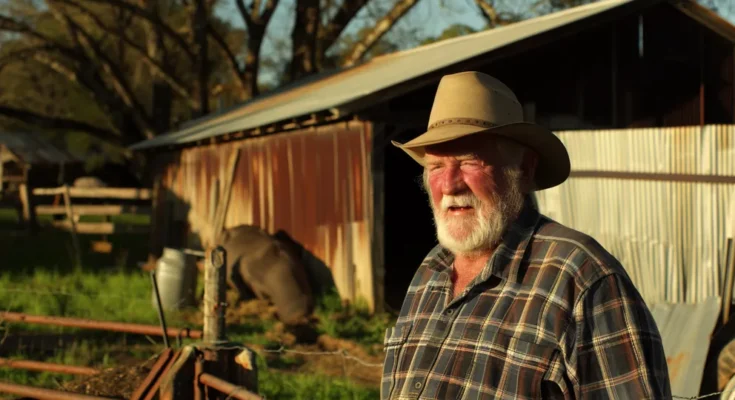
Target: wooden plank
[[73, 226], [102, 247], [100, 228], [13, 179], [98, 193], [224, 203], [93, 209], [25, 202]]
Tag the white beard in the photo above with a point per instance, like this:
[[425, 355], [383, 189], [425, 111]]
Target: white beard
[[483, 229]]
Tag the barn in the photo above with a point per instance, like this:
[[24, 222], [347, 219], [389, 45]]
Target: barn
[[315, 160]]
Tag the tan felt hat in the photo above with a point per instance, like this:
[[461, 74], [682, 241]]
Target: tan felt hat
[[471, 103]]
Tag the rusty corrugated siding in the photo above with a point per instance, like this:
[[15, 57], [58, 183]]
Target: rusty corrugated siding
[[313, 183]]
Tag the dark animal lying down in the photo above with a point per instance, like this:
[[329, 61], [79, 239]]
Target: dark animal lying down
[[267, 267]]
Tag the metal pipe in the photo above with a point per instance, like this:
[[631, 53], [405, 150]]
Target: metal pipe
[[198, 371], [140, 329], [155, 373], [44, 394], [159, 307], [198, 253], [227, 388], [47, 367]]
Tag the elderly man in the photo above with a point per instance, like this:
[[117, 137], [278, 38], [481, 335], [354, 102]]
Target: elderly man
[[511, 304]]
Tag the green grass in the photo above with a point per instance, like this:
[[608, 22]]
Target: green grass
[[353, 322], [38, 276], [282, 386]]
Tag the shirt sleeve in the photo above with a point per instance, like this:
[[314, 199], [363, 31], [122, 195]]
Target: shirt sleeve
[[614, 349]]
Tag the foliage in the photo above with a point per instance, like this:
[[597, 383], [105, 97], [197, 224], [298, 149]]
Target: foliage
[[121, 71], [353, 322], [312, 386], [44, 283], [452, 31]]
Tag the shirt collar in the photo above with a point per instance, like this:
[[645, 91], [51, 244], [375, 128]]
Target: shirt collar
[[506, 259]]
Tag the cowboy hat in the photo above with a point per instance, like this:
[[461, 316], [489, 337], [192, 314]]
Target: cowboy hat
[[471, 103]]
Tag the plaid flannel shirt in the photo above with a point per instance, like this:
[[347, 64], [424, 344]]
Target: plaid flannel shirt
[[552, 315]]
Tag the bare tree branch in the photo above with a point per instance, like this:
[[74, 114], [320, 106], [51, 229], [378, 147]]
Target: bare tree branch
[[176, 83], [119, 82], [154, 18], [494, 18], [56, 66], [256, 23], [49, 122], [381, 28], [346, 12]]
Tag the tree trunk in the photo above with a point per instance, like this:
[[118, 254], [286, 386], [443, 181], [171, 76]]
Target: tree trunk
[[252, 61], [304, 39]]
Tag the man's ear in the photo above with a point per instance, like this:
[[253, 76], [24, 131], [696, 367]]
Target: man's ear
[[528, 166]]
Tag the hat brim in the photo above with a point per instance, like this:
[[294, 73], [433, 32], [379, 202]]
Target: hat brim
[[553, 160]]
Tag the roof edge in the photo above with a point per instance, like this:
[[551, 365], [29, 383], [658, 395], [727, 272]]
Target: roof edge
[[706, 17]]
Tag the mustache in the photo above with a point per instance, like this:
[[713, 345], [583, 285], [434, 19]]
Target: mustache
[[462, 200]]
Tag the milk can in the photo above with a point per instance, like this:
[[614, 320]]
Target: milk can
[[176, 276]]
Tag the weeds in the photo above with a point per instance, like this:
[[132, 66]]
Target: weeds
[[353, 322]]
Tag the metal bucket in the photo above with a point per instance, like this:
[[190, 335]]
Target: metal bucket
[[176, 276]]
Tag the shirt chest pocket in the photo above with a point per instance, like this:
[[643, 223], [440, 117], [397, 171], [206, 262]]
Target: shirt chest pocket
[[509, 364]]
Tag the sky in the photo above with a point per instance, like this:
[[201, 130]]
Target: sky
[[429, 18]]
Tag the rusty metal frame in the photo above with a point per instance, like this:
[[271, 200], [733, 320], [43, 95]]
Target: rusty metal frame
[[44, 394], [227, 388], [46, 367], [141, 329], [154, 375], [157, 383]]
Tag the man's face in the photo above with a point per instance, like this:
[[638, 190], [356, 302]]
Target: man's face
[[474, 194]]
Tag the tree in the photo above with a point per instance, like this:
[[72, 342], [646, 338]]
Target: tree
[[139, 67]]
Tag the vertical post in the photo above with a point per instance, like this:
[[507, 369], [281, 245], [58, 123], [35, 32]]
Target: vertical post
[[214, 296], [2, 146], [159, 307], [70, 217]]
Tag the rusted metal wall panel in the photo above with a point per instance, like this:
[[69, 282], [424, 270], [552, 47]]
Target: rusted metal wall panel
[[313, 183], [670, 235]]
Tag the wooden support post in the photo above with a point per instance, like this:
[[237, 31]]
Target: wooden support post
[[214, 297], [74, 237], [2, 147], [27, 207], [221, 212]]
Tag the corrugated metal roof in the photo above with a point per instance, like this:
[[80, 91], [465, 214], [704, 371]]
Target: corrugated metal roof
[[685, 330], [336, 89], [32, 148]]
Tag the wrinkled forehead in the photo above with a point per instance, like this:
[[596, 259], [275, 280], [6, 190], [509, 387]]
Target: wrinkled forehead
[[475, 146]]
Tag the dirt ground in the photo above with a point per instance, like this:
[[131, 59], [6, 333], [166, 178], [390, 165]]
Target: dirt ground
[[305, 352], [117, 382]]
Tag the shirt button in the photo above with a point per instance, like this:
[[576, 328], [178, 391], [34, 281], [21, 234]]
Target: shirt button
[[418, 385], [450, 311]]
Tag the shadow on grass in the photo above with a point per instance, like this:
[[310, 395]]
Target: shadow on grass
[[52, 249]]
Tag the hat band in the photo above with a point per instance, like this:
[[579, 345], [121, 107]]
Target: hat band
[[462, 121]]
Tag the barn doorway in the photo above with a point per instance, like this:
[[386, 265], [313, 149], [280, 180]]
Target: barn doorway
[[408, 225]]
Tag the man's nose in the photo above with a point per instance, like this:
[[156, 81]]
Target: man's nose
[[453, 183]]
